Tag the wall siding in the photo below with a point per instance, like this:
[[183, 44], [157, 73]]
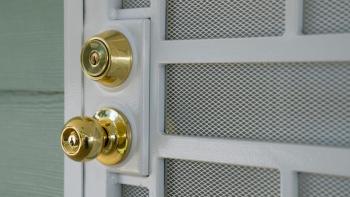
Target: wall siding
[[31, 98], [31, 45]]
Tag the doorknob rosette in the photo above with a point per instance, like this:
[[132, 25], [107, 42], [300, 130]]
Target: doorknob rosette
[[107, 58], [106, 136]]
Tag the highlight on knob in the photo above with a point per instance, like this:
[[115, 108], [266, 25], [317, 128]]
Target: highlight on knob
[[75, 138], [107, 58], [105, 136]]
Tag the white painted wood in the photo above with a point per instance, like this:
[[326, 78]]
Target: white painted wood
[[288, 158], [73, 35]]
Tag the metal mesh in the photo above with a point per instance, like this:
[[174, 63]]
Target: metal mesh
[[326, 16], [316, 185], [127, 4], [306, 103], [208, 19], [134, 191], [192, 178]]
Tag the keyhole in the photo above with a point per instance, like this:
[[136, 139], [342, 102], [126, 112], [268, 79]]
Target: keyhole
[[94, 58]]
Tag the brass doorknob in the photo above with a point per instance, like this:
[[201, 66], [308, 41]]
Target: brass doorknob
[[105, 136], [107, 58]]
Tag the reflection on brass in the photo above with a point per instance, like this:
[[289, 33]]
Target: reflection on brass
[[106, 136], [107, 58]]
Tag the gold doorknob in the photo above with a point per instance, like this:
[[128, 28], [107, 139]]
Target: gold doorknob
[[107, 58], [105, 136]]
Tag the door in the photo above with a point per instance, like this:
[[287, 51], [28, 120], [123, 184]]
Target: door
[[223, 98]]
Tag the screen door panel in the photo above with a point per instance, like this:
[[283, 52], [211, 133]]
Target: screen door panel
[[303, 103], [247, 98], [326, 17], [134, 191], [312, 185], [192, 178], [129, 4], [195, 19]]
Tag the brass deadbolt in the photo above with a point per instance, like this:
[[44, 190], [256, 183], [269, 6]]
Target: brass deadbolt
[[107, 58], [106, 136]]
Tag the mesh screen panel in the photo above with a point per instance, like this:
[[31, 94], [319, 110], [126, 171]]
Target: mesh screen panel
[[192, 178], [326, 16], [134, 191], [126, 4], [208, 19], [316, 185], [307, 103]]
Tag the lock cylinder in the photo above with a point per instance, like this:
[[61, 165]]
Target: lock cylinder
[[105, 136], [107, 58]]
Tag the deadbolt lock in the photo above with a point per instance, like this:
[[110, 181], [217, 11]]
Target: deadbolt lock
[[105, 136], [107, 58]]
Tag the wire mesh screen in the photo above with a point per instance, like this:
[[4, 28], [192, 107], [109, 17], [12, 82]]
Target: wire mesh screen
[[208, 19], [304, 103], [134, 191], [192, 178], [326, 16], [317, 185], [127, 4]]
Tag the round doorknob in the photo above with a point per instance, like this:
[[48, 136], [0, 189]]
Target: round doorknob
[[107, 58], [105, 136]]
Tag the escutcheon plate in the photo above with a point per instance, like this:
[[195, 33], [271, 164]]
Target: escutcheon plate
[[119, 135]]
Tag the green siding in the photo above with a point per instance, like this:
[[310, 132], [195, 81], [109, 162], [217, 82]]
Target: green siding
[[31, 98], [31, 159], [31, 45]]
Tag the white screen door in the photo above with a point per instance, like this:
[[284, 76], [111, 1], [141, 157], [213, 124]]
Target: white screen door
[[243, 98]]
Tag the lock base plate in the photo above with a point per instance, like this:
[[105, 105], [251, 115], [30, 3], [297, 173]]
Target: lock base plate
[[119, 135]]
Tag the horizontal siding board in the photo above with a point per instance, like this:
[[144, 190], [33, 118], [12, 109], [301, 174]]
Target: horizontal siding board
[[31, 161], [31, 45]]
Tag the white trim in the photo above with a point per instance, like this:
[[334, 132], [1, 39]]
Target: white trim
[[138, 13], [333, 47], [301, 158], [294, 17], [289, 183], [73, 32]]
